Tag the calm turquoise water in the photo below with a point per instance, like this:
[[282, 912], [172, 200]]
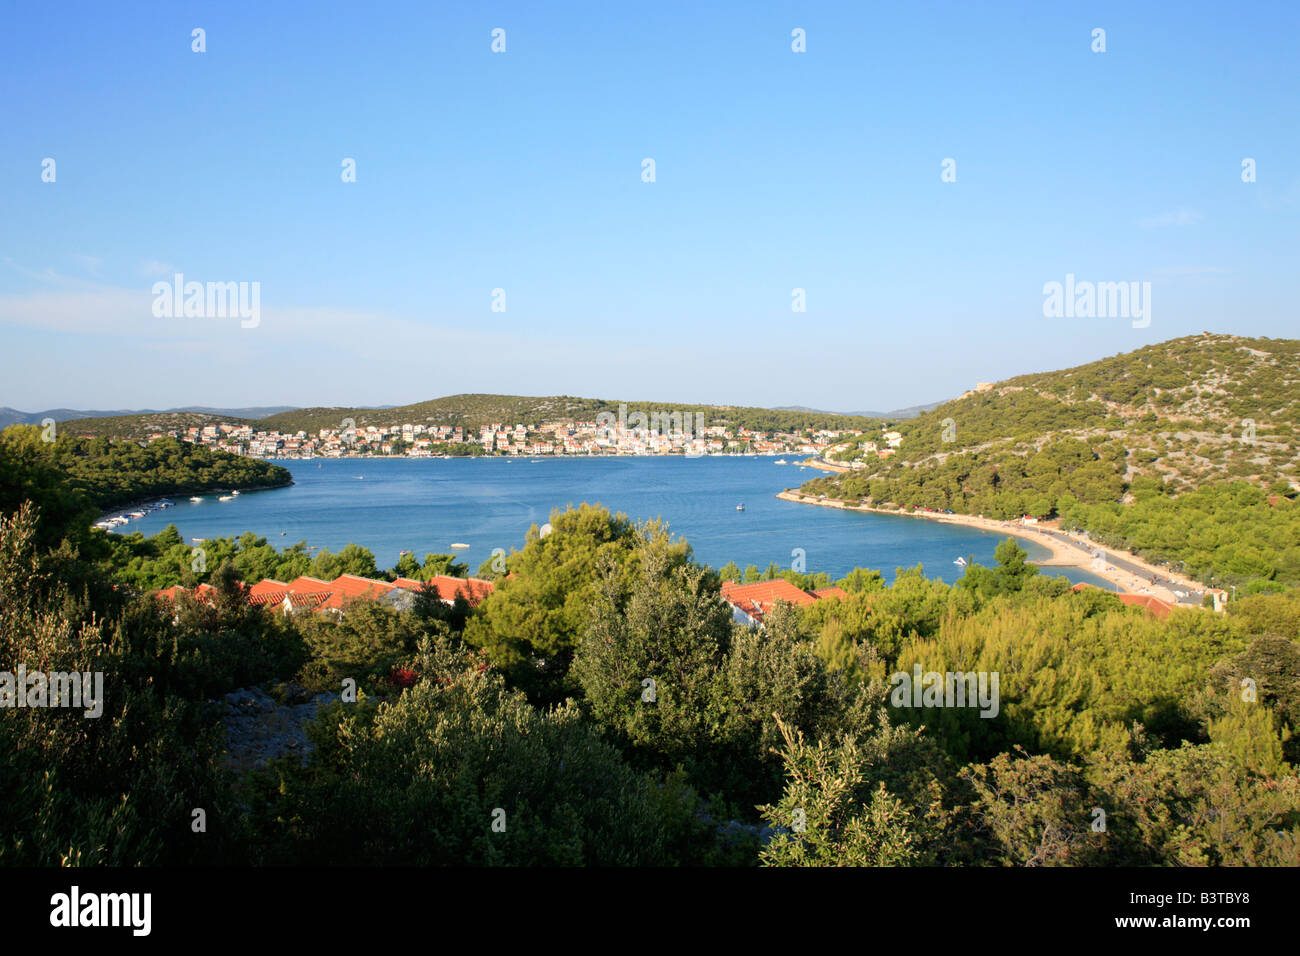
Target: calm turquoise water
[[424, 505]]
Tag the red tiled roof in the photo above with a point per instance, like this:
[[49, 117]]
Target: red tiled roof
[[1154, 606], [313, 594], [202, 592], [307, 585], [473, 590], [351, 585], [302, 601], [758, 598], [834, 591]]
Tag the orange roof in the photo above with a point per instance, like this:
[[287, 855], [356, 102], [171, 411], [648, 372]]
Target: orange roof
[[351, 585], [757, 598], [202, 592], [1154, 606], [834, 591], [301, 601], [473, 590], [267, 586], [767, 592], [308, 585]]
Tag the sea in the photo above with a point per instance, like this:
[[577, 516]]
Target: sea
[[426, 505]]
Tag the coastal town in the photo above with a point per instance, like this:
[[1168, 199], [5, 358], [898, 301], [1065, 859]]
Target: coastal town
[[625, 435]]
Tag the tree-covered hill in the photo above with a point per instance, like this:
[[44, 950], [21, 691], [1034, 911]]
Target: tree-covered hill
[[142, 426], [472, 411], [1117, 447], [75, 478]]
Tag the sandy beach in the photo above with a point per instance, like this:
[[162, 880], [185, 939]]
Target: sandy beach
[[1067, 550]]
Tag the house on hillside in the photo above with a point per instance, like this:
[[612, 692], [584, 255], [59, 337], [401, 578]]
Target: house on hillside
[[1149, 602], [751, 603]]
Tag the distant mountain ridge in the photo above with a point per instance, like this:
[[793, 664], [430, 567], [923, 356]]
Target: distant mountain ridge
[[897, 414], [12, 416]]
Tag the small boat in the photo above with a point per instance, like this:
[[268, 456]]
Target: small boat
[[283, 533], [198, 540], [459, 545], [960, 562], [780, 461], [196, 499], [234, 492], [226, 498], [740, 507], [137, 514]]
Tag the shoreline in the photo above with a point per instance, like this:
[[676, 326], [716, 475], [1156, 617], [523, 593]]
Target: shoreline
[[155, 499], [1073, 553], [766, 454]]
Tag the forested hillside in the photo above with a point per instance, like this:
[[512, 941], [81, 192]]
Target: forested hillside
[[474, 411], [82, 477], [1184, 451]]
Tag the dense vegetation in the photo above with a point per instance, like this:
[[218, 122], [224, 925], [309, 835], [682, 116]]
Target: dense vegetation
[[1183, 452], [474, 411], [602, 707], [145, 424], [108, 473]]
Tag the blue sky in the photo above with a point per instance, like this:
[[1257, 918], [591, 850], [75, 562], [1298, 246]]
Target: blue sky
[[521, 171]]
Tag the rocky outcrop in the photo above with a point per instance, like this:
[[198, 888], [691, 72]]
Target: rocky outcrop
[[260, 729]]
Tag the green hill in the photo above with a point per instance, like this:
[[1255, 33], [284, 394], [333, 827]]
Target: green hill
[[472, 411], [1173, 450], [142, 426]]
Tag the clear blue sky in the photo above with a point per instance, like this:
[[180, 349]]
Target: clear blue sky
[[522, 171]]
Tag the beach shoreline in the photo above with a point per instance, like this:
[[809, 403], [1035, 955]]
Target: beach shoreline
[[1073, 552]]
